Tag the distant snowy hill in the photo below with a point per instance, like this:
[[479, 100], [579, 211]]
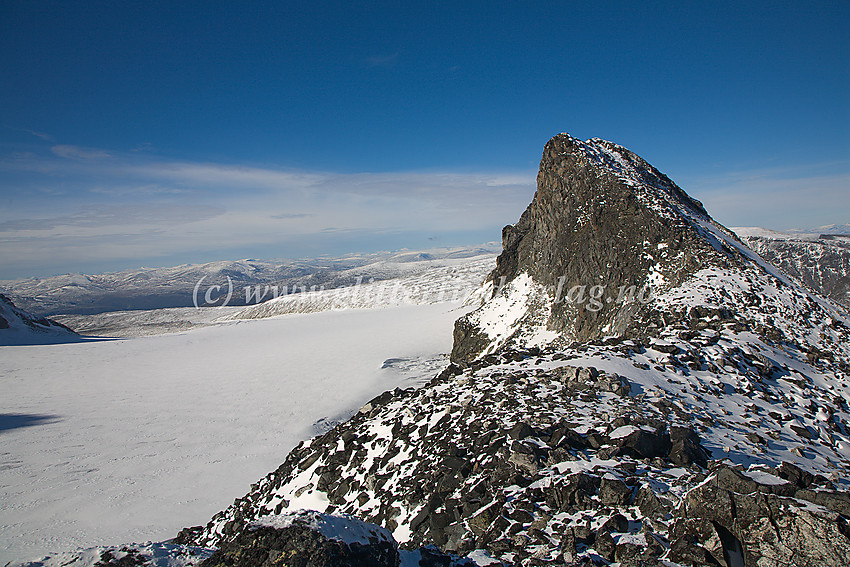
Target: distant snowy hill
[[156, 288], [416, 282], [19, 327], [435, 285]]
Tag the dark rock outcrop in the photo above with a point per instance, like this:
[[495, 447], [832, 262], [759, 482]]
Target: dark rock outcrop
[[733, 516], [604, 231], [302, 545]]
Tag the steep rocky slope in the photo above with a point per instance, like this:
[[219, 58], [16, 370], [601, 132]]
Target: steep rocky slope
[[604, 231], [821, 263]]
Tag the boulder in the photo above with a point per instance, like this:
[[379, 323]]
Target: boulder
[[308, 539]]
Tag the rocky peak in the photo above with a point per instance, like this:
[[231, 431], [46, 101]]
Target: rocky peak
[[705, 422], [605, 233]]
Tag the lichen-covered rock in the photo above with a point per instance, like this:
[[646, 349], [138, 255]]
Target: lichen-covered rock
[[748, 520]]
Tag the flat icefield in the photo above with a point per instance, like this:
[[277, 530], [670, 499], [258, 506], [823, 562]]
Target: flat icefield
[[120, 441]]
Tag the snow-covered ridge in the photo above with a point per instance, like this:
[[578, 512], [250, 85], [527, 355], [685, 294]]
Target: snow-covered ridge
[[654, 188], [344, 528], [828, 232], [419, 282]]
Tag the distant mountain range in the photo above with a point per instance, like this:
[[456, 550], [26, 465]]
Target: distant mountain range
[[158, 288]]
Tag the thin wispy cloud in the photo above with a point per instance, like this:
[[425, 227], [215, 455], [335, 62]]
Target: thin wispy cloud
[[383, 60], [779, 198], [290, 216], [103, 217], [123, 207], [87, 203], [41, 135], [76, 152]]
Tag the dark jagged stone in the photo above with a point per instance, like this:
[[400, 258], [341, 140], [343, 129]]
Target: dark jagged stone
[[300, 545]]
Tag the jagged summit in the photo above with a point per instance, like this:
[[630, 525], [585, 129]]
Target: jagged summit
[[604, 235]]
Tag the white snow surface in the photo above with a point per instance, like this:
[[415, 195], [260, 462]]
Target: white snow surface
[[116, 441], [156, 554], [514, 309]]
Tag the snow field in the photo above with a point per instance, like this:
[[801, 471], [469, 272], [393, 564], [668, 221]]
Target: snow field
[[138, 438]]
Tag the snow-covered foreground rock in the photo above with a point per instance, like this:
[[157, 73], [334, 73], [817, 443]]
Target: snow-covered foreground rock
[[130, 440]]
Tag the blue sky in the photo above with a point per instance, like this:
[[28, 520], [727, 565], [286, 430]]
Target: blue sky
[[156, 133]]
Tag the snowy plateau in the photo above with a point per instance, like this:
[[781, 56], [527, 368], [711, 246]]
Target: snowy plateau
[[704, 423]]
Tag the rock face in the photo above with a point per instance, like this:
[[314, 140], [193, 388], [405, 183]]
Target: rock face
[[604, 231], [733, 519], [822, 264]]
